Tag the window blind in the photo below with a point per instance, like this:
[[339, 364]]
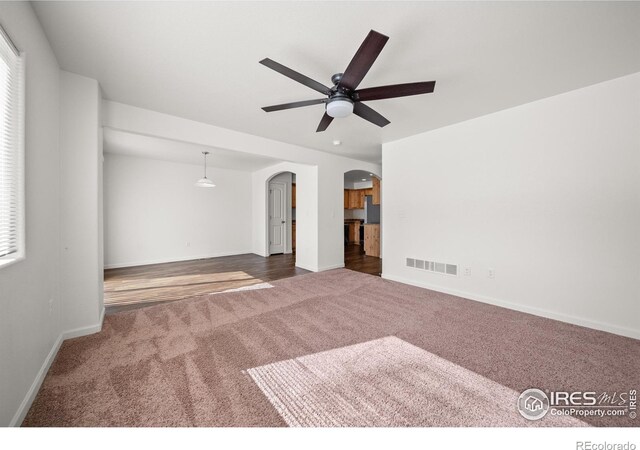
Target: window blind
[[11, 150]]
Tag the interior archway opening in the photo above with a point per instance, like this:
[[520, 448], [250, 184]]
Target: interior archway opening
[[281, 214], [362, 222]]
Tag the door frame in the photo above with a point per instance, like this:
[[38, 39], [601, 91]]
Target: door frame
[[285, 239], [288, 249]]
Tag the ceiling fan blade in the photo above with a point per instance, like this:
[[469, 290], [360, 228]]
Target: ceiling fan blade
[[296, 76], [362, 110], [294, 105], [394, 90], [324, 123], [363, 60]]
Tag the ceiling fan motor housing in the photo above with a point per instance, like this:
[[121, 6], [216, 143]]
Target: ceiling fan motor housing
[[335, 78]]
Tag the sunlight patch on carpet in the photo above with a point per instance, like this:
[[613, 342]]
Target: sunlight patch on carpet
[[387, 382], [252, 287]]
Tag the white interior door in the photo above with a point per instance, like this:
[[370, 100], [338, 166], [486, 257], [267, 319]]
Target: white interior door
[[277, 217]]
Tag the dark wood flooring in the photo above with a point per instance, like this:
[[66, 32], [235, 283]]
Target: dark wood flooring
[[355, 259], [134, 287]]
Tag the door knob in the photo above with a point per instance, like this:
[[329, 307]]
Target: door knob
[[284, 221]]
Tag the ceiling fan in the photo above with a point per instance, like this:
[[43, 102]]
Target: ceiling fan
[[343, 98]]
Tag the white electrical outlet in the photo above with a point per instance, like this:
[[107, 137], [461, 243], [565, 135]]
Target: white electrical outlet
[[467, 271], [50, 306], [188, 244], [491, 273]]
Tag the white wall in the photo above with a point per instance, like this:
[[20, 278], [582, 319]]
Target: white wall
[[81, 193], [30, 325], [153, 209], [325, 178], [547, 194]]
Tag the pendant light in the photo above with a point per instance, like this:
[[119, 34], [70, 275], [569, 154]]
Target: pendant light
[[205, 182]]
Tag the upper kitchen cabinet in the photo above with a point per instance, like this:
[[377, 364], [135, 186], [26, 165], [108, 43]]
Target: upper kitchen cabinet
[[361, 200], [354, 198], [375, 195]]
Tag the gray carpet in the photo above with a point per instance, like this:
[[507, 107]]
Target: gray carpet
[[337, 348]]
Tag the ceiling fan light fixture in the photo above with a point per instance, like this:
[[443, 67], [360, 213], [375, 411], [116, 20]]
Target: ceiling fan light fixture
[[339, 107]]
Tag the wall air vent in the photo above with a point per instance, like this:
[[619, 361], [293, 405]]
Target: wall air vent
[[411, 262], [432, 266]]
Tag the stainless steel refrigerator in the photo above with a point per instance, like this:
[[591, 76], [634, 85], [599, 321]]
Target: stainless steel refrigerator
[[371, 211]]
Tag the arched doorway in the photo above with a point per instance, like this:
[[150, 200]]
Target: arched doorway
[[281, 214], [306, 247], [362, 222]]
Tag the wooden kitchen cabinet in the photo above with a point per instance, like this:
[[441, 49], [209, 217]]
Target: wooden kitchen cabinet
[[372, 239], [293, 195], [293, 235], [354, 232], [375, 191], [354, 198]]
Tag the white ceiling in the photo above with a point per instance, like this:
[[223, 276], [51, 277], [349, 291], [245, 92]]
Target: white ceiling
[[200, 60], [124, 143]]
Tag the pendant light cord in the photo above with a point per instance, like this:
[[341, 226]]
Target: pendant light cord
[[205, 163]]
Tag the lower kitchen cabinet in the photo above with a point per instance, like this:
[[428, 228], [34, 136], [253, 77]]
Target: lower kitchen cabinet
[[372, 239]]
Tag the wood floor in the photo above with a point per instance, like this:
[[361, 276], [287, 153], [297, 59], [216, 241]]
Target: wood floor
[[355, 259], [133, 287]]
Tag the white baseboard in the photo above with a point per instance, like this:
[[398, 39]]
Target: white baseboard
[[583, 322], [84, 331], [147, 262], [335, 266], [319, 269], [37, 382], [23, 409], [305, 267]]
